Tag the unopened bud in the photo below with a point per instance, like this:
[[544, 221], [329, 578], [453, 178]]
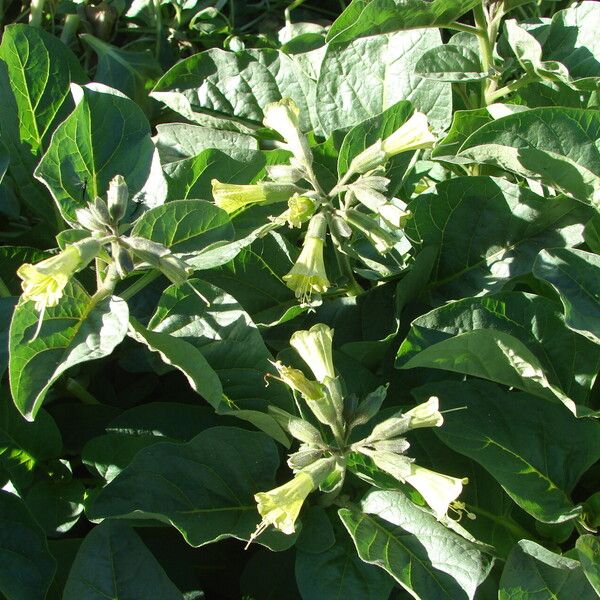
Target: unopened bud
[[304, 457], [285, 173], [370, 406], [305, 432], [117, 197], [88, 221], [99, 211], [123, 260], [393, 215], [379, 237], [370, 158]]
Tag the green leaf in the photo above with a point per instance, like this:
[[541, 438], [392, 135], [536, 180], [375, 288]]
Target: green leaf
[[535, 449], [572, 39], [496, 356], [588, 550], [569, 361], [422, 555], [228, 90], [133, 73], [56, 505], [26, 566], [558, 146], [370, 17], [575, 275], [178, 141], [364, 77], [35, 75], [183, 356], [112, 562], [228, 339], [339, 573], [185, 226], [25, 445], [85, 151], [204, 488], [488, 231], [535, 573], [464, 123], [450, 63], [73, 332]]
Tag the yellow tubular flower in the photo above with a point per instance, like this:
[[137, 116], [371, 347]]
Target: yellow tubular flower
[[281, 506], [45, 281], [315, 348], [282, 117], [438, 490], [295, 379], [232, 197], [412, 135], [308, 275]]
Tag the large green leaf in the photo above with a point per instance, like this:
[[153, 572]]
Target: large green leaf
[[450, 63], [36, 71], [183, 356], [26, 566], [178, 141], [73, 332], [535, 573], [25, 445], [112, 562], [106, 135], [575, 274], [339, 573], [488, 231], [229, 90], [558, 146], [362, 78], [204, 488], [572, 39], [569, 361], [228, 339], [535, 449], [185, 226], [370, 17], [422, 555], [588, 550]]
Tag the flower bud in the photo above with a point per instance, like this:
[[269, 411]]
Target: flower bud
[[285, 173], [282, 117], [379, 237], [232, 197], [300, 209], [370, 406], [304, 457], [117, 196], [370, 158], [412, 135], [99, 211], [159, 257], [315, 348], [366, 195], [88, 221], [308, 275], [305, 432], [423, 415], [123, 260]]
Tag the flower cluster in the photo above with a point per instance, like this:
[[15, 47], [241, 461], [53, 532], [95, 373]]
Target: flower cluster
[[322, 458], [352, 210]]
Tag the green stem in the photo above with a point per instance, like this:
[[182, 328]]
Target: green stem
[[353, 288], [139, 284], [4, 291], [159, 28], [77, 390], [462, 27], [70, 27], [511, 87], [36, 13], [486, 49], [106, 288]]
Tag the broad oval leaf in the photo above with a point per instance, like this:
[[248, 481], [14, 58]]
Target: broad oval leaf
[[426, 558], [370, 17], [488, 231], [106, 135], [450, 63], [26, 566], [558, 146], [229, 90], [536, 573], [362, 78], [204, 488], [535, 449], [588, 550], [575, 275], [73, 332], [185, 226], [112, 562]]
